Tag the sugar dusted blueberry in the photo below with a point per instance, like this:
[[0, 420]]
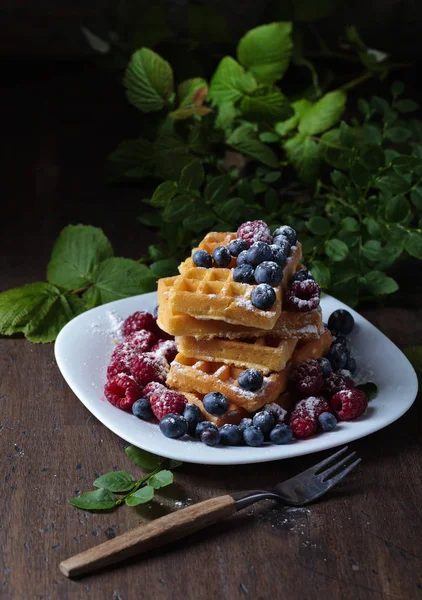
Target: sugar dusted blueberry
[[237, 246], [264, 420], [287, 232], [204, 425], [282, 243], [337, 355], [201, 258], [258, 253], [215, 403], [242, 258], [221, 256], [231, 435], [142, 409], [263, 296], [173, 426], [269, 272], [279, 255], [210, 436], [342, 321], [193, 416], [281, 434], [244, 274], [245, 423], [303, 275], [327, 421], [325, 365], [253, 436], [251, 380]]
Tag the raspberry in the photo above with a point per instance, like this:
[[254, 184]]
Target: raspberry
[[303, 426], [120, 360], [139, 320], [166, 348], [122, 391], [307, 377], [167, 402], [276, 411], [149, 367], [349, 404], [303, 296], [254, 231], [152, 387], [335, 382], [142, 340], [304, 417]]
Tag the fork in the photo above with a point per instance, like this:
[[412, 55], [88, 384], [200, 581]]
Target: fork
[[297, 491]]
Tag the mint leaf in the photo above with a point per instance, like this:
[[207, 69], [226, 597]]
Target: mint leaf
[[116, 481], [318, 225], [163, 194], [413, 244], [47, 327], [378, 283], [300, 108], [217, 189], [117, 278], [142, 458], [76, 253], [192, 176], [336, 250], [266, 104], [230, 82], [244, 140], [370, 389], [101, 499], [324, 114], [266, 51], [161, 479], [304, 154], [148, 80], [141, 496]]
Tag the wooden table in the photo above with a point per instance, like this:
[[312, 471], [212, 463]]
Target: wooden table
[[361, 542]]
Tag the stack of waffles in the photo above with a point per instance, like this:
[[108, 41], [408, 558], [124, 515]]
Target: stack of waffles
[[220, 333]]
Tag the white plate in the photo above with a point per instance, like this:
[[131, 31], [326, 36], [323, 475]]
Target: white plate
[[84, 346]]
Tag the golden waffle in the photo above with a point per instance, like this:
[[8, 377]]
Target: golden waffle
[[312, 348], [192, 375], [264, 353], [306, 325]]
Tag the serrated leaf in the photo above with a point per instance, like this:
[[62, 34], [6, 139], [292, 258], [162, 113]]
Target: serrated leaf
[[324, 114], [336, 250], [63, 310], [161, 479], [177, 209], [116, 481], [321, 273], [231, 210], [142, 458], [363, 106], [230, 82], [413, 244], [318, 225], [101, 499], [192, 175], [217, 189], [243, 139], [156, 252], [148, 80], [163, 194], [187, 112], [266, 51], [142, 496], [300, 108], [227, 113], [117, 278], [245, 191], [76, 254], [272, 176], [370, 389], [266, 104], [339, 179], [305, 155], [334, 152], [192, 92], [378, 283], [406, 105], [165, 267]]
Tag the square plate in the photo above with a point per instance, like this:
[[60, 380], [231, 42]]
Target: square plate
[[84, 346]]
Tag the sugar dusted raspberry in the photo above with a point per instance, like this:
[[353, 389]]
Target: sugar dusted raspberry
[[166, 348], [152, 387], [254, 231], [122, 391], [303, 426], [276, 411], [143, 340], [307, 377], [303, 296], [349, 404], [304, 417], [120, 360], [167, 402], [149, 367], [139, 320], [335, 382]]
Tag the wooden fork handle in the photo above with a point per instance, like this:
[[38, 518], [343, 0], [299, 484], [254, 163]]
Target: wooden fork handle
[[167, 529]]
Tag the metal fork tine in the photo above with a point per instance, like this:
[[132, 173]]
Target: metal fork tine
[[327, 474], [327, 461], [335, 480]]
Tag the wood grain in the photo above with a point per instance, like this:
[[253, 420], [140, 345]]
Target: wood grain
[[362, 542]]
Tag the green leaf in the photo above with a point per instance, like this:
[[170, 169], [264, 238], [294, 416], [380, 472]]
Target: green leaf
[[217, 189], [230, 82], [192, 175], [200, 220], [300, 108], [324, 114], [246, 191], [116, 481], [398, 134], [397, 88], [339, 179], [141, 496], [142, 458], [151, 219], [177, 209], [372, 157], [266, 104], [379, 284], [226, 115], [165, 267], [156, 252], [363, 106], [187, 112], [171, 155], [304, 154], [370, 389], [163, 194], [266, 51], [373, 227], [272, 176], [334, 152], [414, 355], [148, 80], [397, 209], [101, 499], [392, 183], [413, 244], [268, 137], [117, 278], [350, 224], [372, 250], [192, 92], [161, 479], [271, 200], [372, 134], [347, 135], [321, 273], [63, 310], [359, 175], [318, 225], [76, 253], [336, 250], [405, 105], [416, 198], [244, 140], [231, 210]]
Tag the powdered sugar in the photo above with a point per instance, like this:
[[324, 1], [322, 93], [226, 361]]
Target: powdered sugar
[[112, 328]]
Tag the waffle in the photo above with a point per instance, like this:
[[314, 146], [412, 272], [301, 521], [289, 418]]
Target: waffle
[[192, 375], [312, 348], [264, 353], [306, 325]]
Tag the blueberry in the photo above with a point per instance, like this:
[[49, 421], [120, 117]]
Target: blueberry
[[340, 339], [350, 364], [325, 365], [173, 426], [231, 435], [142, 409], [242, 258], [269, 272], [302, 275], [245, 423], [287, 232], [337, 355], [237, 246], [210, 436], [264, 420], [201, 258], [342, 321], [244, 274], [281, 434], [282, 243], [259, 252], [193, 416], [253, 436], [263, 296], [279, 255], [327, 421], [215, 403], [221, 256], [204, 425], [250, 380], [155, 311], [345, 373]]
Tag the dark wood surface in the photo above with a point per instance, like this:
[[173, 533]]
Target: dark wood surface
[[362, 542]]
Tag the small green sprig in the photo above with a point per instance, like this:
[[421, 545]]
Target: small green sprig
[[132, 491]]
